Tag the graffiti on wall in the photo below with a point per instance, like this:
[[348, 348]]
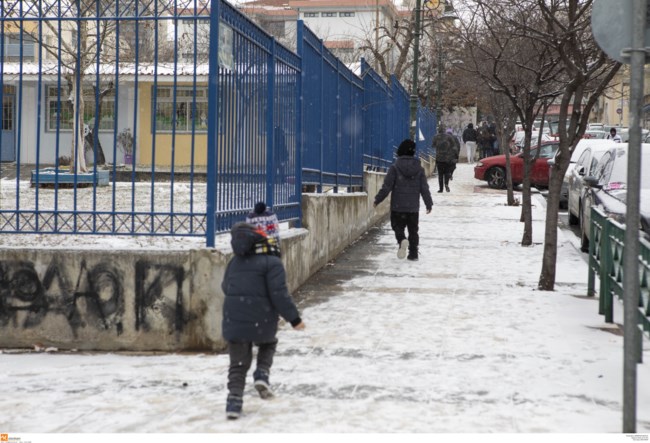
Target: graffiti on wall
[[158, 294], [93, 298]]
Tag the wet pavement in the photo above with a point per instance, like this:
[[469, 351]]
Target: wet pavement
[[460, 341]]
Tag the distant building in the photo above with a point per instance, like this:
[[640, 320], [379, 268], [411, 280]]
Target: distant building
[[345, 26], [276, 17]]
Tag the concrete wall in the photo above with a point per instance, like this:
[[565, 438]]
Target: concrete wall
[[157, 300]]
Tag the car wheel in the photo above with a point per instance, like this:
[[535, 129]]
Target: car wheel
[[496, 178], [584, 241], [573, 220]]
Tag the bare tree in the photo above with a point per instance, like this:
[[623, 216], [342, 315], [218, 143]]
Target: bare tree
[[510, 63], [558, 34], [82, 36], [589, 72], [394, 53]]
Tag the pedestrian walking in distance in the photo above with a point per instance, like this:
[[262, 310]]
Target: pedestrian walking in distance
[[256, 295], [406, 181], [614, 136], [469, 138], [447, 147]]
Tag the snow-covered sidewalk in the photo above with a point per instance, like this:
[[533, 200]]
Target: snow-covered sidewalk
[[460, 341]]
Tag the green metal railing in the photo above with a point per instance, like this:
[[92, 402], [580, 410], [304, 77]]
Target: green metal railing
[[606, 251]]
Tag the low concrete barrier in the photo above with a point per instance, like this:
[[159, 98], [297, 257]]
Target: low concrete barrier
[[153, 300]]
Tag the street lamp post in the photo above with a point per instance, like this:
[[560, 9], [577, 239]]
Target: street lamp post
[[449, 14], [439, 87], [414, 84]]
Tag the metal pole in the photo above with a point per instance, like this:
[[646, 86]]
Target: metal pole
[[631, 253], [213, 126], [376, 32], [414, 85], [439, 88]]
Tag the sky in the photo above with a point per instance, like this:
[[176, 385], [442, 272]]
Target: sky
[[458, 344]]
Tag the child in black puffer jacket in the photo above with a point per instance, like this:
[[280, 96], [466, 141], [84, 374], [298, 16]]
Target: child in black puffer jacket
[[256, 294]]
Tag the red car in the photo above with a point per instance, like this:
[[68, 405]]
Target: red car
[[493, 169]]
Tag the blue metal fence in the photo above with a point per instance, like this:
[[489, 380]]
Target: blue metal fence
[[333, 131], [427, 129], [257, 145], [125, 121]]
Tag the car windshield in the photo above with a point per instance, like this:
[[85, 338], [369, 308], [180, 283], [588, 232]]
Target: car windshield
[[547, 151], [618, 177], [519, 137]]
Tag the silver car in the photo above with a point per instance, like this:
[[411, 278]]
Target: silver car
[[584, 159], [584, 144], [607, 190]]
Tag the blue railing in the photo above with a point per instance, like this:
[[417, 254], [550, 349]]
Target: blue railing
[[427, 124], [141, 119]]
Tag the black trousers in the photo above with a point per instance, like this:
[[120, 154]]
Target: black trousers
[[241, 358], [444, 172], [400, 221]]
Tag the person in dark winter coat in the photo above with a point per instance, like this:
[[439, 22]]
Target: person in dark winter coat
[[447, 147], [469, 138], [406, 181], [484, 140], [256, 295]]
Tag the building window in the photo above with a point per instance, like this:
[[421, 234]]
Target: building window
[[346, 14], [311, 14], [60, 110], [12, 46], [328, 14], [186, 113]]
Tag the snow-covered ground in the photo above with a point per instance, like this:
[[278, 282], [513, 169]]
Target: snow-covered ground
[[458, 342]]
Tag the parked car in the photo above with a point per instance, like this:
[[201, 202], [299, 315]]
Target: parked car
[[584, 144], [517, 142], [607, 189], [493, 169], [595, 133], [583, 162]]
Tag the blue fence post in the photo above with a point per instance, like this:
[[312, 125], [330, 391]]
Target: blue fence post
[[213, 125], [270, 127], [299, 115], [322, 114]]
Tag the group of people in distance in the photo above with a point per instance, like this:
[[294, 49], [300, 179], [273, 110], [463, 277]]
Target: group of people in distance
[[483, 139]]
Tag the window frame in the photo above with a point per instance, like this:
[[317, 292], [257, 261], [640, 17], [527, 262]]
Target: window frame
[[89, 102], [187, 101]]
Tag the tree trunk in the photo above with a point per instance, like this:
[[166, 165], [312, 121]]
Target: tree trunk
[[549, 259], [78, 152], [100, 158]]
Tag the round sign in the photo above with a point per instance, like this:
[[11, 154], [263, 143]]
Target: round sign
[[619, 111]]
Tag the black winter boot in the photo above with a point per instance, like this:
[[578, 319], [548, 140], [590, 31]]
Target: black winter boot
[[234, 404]]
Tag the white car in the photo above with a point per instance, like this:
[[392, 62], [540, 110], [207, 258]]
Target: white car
[[583, 161], [606, 189]]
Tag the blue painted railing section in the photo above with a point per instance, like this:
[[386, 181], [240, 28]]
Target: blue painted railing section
[[378, 152], [332, 117], [197, 111], [258, 140], [399, 124], [427, 124]]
